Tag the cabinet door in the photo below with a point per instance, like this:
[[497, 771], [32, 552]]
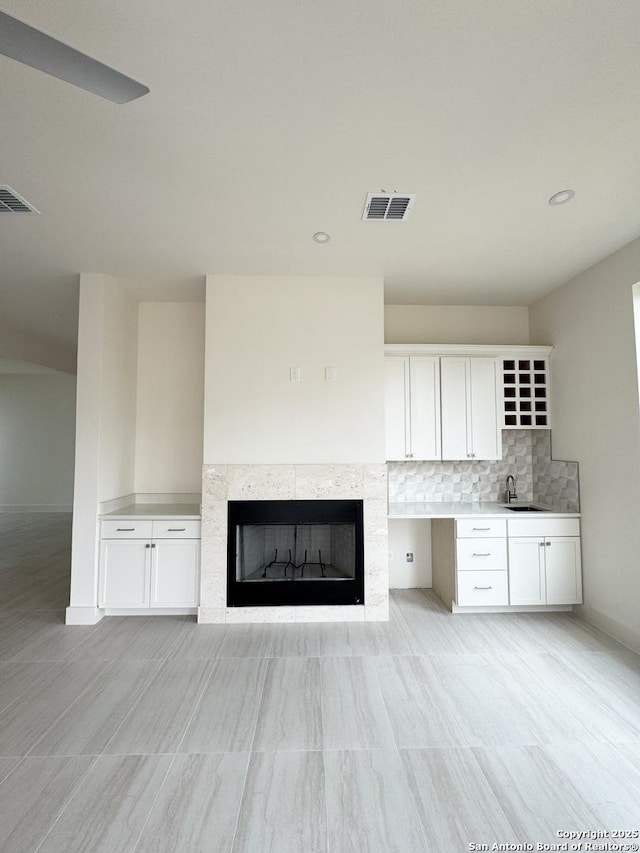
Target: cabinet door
[[424, 407], [563, 570], [486, 438], [124, 573], [175, 573], [396, 403], [526, 571], [454, 379]]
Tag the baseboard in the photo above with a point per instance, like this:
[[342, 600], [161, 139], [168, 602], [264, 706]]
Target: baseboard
[[36, 508], [155, 611], [513, 608], [83, 615], [627, 636]]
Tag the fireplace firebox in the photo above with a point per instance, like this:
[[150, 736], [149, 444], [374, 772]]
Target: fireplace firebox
[[295, 552]]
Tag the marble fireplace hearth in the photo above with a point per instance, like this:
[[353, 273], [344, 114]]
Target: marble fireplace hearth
[[222, 483]]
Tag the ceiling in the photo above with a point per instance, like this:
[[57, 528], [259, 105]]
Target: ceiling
[[268, 122]]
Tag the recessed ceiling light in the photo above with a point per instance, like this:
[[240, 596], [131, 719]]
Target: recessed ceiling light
[[321, 237], [561, 197]]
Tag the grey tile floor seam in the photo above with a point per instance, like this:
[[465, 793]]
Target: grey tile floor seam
[[40, 707], [35, 795]]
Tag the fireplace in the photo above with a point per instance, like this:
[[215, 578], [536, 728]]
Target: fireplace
[[295, 552]]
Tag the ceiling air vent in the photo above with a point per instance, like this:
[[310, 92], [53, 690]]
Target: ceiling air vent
[[11, 202], [390, 206]]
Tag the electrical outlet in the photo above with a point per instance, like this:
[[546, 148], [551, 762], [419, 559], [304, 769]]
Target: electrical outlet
[[409, 557]]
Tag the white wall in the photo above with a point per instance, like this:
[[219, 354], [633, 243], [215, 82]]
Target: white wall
[[170, 405], [105, 425], [408, 535], [258, 327], [118, 393], [596, 421], [456, 324], [37, 437]]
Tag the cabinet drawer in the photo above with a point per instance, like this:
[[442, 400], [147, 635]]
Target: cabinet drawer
[[482, 588], [135, 528], [176, 528], [477, 527], [481, 554], [544, 527]]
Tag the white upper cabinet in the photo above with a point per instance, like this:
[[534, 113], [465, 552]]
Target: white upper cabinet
[[412, 408], [470, 408]]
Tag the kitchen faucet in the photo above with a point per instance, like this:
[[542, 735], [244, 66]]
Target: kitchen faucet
[[510, 492]]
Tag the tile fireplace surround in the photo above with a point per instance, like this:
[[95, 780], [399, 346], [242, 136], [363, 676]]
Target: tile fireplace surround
[[222, 483]]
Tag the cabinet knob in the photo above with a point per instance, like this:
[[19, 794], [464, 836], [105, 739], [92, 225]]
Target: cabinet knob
[[147, 545], [547, 543]]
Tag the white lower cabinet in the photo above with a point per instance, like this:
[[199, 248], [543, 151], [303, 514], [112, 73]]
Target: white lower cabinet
[[142, 572], [125, 570], [481, 563], [545, 566], [480, 589], [174, 573], [499, 562]]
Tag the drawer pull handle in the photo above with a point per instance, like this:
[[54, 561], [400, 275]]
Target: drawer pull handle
[[125, 529], [176, 529], [488, 554], [481, 528], [483, 587]]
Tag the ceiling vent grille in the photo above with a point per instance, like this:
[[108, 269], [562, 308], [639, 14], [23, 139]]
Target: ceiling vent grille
[[11, 202], [387, 206]]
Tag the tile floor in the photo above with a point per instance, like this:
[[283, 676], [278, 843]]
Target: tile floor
[[429, 733]]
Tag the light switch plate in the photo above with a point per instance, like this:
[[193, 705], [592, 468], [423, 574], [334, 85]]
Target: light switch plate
[[295, 374]]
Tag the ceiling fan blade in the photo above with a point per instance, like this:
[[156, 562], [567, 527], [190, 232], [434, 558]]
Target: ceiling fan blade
[[32, 47]]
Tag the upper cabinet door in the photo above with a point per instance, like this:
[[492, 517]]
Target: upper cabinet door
[[485, 423], [424, 386], [454, 394], [396, 401], [469, 392]]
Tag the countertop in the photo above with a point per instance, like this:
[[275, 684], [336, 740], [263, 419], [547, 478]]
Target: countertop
[[470, 509], [155, 511]]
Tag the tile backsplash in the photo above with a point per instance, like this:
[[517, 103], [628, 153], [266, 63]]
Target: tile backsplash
[[555, 483], [525, 453]]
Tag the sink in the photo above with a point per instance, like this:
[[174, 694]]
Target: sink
[[526, 508]]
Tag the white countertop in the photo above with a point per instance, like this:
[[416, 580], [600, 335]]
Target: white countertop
[[470, 509], [155, 511]]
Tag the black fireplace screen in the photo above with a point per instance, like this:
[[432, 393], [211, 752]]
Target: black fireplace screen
[[295, 552]]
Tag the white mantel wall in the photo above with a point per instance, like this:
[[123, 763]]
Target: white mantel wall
[[269, 438], [258, 327], [596, 421]]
